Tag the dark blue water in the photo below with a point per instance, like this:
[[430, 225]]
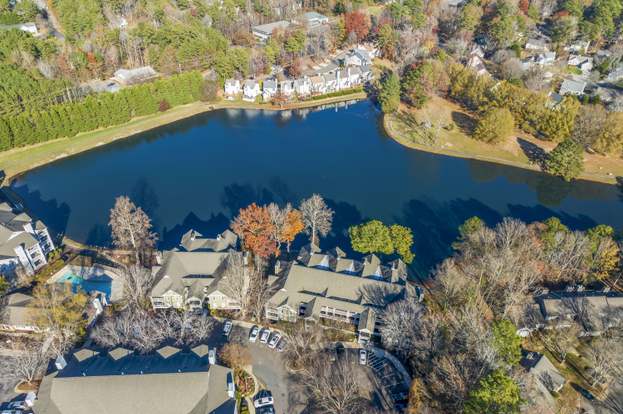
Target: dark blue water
[[198, 172]]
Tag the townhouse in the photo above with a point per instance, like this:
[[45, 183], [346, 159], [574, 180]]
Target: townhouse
[[170, 380], [330, 287], [192, 276], [24, 242]]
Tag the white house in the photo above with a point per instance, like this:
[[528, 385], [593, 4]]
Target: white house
[[547, 58], [269, 89], [578, 47], [330, 80], [358, 57], [354, 76], [251, 90], [537, 45], [23, 242], [302, 86], [318, 85], [263, 32], [313, 19], [343, 79], [287, 88], [584, 63], [232, 88]]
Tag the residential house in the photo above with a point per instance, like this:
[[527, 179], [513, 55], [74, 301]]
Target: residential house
[[263, 32], [287, 88], [547, 58], [332, 287], [318, 85], [330, 81], [250, 90], [542, 369], [366, 74], [572, 87], [232, 88], [127, 77], [537, 45], [119, 381], [185, 279], [24, 242], [358, 57], [584, 63], [17, 314], [343, 79], [302, 86], [312, 20], [193, 241], [354, 76], [615, 74], [580, 46], [593, 311], [269, 89]]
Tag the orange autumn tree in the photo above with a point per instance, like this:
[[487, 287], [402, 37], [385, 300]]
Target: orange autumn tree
[[254, 227], [293, 226]]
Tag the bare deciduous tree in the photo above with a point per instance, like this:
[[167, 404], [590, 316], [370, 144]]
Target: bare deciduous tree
[[317, 217], [137, 283], [606, 358], [131, 227], [144, 332], [301, 338], [560, 341], [236, 278], [333, 386], [26, 363]]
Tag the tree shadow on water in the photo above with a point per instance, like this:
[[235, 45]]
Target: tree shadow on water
[[54, 215]]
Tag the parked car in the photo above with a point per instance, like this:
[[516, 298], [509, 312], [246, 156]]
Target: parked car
[[282, 345], [18, 405], [262, 399], [363, 356], [227, 328], [264, 336], [273, 340], [255, 331], [269, 409]]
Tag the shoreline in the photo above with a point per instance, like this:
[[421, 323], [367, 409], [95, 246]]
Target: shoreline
[[18, 161], [397, 137]]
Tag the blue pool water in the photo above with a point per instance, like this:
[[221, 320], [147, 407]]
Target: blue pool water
[[96, 284]]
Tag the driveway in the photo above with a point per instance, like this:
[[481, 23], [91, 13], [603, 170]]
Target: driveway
[[268, 366]]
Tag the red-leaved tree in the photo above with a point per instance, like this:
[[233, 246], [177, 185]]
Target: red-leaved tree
[[358, 23], [254, 227]]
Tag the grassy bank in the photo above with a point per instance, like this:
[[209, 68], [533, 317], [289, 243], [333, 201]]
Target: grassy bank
[[19, 160], [442, 127]]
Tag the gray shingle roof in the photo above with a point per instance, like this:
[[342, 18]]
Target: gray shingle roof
[[193, 270], [180, 384]]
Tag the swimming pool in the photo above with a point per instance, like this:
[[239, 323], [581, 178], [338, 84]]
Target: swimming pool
[[100, 284]]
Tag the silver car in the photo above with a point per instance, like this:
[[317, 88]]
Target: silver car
[[273, 340], [264, 336], [255, 331]]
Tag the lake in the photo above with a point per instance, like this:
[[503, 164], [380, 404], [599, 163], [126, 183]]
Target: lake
[[198, 172]]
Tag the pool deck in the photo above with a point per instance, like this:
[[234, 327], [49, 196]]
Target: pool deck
[[96, 272]]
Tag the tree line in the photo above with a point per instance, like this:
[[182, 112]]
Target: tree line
[[99, 111]]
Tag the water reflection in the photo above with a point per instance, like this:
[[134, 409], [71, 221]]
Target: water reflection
[[199, 172]]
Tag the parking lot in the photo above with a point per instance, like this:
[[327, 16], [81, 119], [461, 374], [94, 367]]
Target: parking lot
[[269, 369]]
